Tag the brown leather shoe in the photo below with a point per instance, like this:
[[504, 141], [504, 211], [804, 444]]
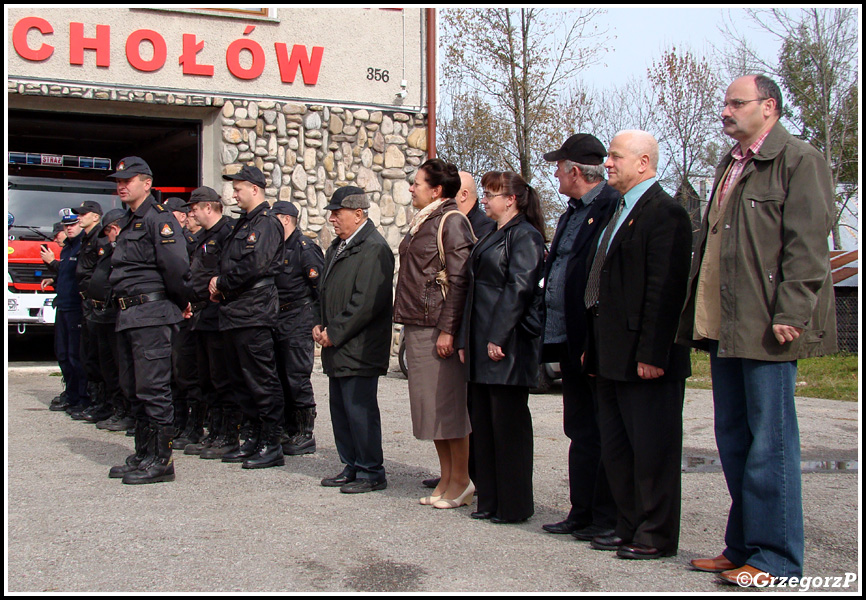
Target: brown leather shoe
[[713, 565], [747, 576]]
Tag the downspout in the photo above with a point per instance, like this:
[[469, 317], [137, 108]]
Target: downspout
[[431, 82]]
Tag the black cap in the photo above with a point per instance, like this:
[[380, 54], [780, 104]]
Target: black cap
[[203, 194], [284, 207], [112, 216], [582, 148], [131, 166], [248, 173], [175, 203], [58, 227], [348, 197], [88, 206]]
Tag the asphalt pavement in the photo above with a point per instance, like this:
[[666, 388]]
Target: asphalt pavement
[[220, 528]]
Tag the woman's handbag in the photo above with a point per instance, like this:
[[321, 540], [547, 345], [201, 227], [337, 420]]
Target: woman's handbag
[[442, 274]]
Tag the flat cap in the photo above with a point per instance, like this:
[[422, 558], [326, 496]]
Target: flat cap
[[248, 173], [349, 197], [583, 148], [131, 166]]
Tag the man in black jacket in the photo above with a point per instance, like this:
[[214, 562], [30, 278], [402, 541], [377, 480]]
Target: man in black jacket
[[580, 172], [635, 291], [150, 280], [249, 308]]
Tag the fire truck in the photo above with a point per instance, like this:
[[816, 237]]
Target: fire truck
[[39, 187]]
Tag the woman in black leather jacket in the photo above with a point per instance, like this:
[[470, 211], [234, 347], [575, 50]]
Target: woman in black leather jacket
[[500, 346]]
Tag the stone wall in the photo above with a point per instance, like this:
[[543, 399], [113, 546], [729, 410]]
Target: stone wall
[[308, 151]]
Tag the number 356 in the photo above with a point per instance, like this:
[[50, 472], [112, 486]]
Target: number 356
[[377, 75]]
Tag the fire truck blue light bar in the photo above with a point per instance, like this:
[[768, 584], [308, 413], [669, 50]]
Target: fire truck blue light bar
[[56, 160]]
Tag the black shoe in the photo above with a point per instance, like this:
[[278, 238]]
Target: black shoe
[[340, 480], [500, 521], [300, 444], [161, 467], [243, 452], [431, 483], [563, 527], [360, 486], [607, 542], [482, 514], [268, 454], [592, 531], [639, 551]]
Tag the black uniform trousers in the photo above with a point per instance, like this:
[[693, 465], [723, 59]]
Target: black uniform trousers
[[104, 340], [214, 371], [641, 425], [185, 388], [589, 491], [89, 351], [293, 342], [502, 431], [253, 369], [144, 365], [357, 425], [67, 349]]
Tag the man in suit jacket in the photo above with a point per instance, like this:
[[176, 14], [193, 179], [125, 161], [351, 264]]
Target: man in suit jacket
[[635, 291], [580, 172]]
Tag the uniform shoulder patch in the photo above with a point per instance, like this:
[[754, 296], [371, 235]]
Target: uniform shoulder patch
[[251, 239], [313, 273], [160, 208], [166, 230]]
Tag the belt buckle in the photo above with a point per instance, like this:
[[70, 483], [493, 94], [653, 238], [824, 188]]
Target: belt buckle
[[121, 302]]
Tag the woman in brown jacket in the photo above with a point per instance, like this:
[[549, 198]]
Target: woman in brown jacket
[[432, 313]]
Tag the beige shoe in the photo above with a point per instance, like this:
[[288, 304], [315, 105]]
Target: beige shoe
[[464, 498], [429, 500]]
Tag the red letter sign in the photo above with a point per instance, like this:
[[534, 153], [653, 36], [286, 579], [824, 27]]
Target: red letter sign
[[19, 38], [78, 44]]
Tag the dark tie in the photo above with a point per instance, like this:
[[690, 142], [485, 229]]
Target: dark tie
[[340, 248], [590, 297]]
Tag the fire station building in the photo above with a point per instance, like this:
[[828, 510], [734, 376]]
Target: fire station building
[[317, 98]]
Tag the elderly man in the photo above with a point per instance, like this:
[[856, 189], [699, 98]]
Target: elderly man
[[635, 292], [761, 297], [467, 203], [354, 329], [580, 171]]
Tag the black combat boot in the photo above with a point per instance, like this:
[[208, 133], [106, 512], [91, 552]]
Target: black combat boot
[[303, 442], [228, 440], [142, 438], [194, 430], [251, 432], [215, 429], [269, 452], [161, 466]]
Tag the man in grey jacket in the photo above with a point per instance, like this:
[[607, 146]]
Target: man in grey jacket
[[760, 297], [354, 330]]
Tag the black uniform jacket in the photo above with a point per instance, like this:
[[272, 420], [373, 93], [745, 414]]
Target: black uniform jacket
[[303, 264], [252, 257], [204, 266], [642, 289], [99, 288], [504, 305], [150, 256]]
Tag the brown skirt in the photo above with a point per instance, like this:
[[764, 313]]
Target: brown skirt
[[437, 388]]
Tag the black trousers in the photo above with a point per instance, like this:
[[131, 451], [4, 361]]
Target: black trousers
[[589, 491], [253, 369], [293, 342], [214, 371], [104, 341], [357, 425], [144, 366], [184, 376], [502, 431], [67, 349], [641, 425]]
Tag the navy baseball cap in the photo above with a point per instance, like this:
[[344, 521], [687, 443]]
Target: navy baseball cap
[[131, 166], [248, 173], [88, 206], [582, 148], [349, 197], [284, 207], [203, 194]]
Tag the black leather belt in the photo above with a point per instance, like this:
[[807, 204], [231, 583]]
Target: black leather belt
[[231, 295], [296, 304], [131, 301], [100, 305]]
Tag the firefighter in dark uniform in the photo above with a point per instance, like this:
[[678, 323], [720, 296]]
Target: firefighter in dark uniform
[[297, 285], [185, 388], [249, 309], [206, 207], [103, 320], [150, 281]]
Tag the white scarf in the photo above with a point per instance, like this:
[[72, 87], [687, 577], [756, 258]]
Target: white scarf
[[422, 215]]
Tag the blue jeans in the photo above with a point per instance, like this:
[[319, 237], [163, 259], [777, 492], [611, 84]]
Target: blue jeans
[[759, 446]]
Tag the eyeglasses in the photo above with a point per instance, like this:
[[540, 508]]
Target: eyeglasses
[[489, 196], [738, 104]]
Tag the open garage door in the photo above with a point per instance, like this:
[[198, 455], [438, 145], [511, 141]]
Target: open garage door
[[172, 147]]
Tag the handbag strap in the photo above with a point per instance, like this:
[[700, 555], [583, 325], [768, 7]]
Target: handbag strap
[[442, 226]]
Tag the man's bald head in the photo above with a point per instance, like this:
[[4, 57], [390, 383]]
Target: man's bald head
[[633, 157], [467, 197]]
